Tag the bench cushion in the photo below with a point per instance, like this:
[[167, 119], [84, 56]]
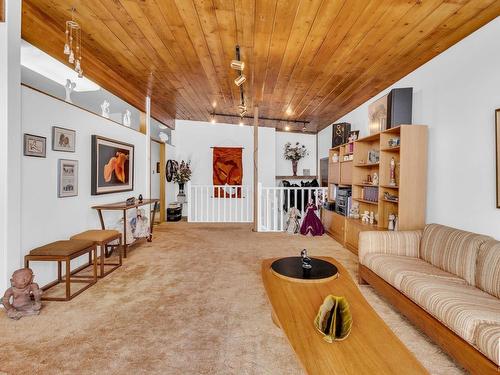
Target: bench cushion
[[96, 235], [488, 268], [62, 248], [487, 340], [452, 250], [460, 307], [393, 268]]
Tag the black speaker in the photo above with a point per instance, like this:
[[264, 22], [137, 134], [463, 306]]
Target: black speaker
[[340, 133], [399, 107]]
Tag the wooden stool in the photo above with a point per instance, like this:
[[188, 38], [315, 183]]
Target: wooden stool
[[102, 238], [64, 251]]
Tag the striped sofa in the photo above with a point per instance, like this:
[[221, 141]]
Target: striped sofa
[[452, 275]]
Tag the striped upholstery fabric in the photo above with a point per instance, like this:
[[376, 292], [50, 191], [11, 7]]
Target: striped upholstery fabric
[[488, 268], [396, 243], [487, 339], [393, 268], [459, 306], [452, 250]]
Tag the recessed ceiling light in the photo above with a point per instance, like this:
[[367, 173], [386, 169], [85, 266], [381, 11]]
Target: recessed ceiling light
[[240, 79], [214, 104], [289, 111]]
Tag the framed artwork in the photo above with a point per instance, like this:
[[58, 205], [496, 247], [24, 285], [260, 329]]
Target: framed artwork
[[63, 139], [112, 166], [35, 145], [497, 142], [377, 115], [67, 178]]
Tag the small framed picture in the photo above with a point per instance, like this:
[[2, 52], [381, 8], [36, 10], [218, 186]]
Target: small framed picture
[[67, 178], [63, 139], [35, 145]]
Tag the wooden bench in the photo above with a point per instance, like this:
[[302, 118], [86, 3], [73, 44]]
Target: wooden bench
[[371, 347], [65, 251]]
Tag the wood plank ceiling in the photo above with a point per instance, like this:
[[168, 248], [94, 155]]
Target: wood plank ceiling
[[318, 58]]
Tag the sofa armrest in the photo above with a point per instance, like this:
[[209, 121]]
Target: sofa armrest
[[405, 243]]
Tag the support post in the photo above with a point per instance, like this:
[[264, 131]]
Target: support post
[[255, 169]]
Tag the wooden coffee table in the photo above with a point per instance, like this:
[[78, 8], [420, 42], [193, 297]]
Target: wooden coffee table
[[371, 347]]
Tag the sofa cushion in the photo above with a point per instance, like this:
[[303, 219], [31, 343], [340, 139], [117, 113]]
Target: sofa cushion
[[488, 268], [487, 338], [460, 307], [452, 250], [393, 268]]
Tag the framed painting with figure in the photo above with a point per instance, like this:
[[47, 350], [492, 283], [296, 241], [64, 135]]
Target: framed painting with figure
[[67, 178], [63, 139], [497, 142], [112, 166], [34, 145]]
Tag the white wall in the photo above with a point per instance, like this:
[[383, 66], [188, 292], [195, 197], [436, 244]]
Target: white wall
[[194, 140], [45, 217], [10, 143], [283, 166], [456, 94]]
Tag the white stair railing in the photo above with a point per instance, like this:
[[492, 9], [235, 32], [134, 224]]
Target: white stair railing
[[275, 203], [220, 203]]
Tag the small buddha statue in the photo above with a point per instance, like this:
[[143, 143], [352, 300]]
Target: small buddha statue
[[23, 298]]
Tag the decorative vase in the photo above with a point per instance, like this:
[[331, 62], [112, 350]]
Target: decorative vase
[[295, 163], [181, 197]]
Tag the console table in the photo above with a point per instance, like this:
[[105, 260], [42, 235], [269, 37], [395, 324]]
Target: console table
[[122, 206]]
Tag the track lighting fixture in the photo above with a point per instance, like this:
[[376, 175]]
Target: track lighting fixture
[[289, 111], [243, 112], [240, 79], [304, 128], [237, 65], [212, 118]]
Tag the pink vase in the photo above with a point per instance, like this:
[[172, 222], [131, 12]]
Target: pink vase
[[295, 163]]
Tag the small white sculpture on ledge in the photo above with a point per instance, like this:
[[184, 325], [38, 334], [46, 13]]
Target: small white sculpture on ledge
[[365, 217], [375, 179], [69, 87], [105, 109], [126, 118], [163, 137]]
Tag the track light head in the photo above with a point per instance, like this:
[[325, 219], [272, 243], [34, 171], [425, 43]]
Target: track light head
[[243, 112], [240, 79], [237, 65]]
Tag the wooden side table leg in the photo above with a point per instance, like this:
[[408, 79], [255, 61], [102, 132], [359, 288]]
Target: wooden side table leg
[[101, 219], [124, 233], [102, 247], [151, 225], [68, 279], [95, 263], [59, 271], [120, 249], [26, 263]]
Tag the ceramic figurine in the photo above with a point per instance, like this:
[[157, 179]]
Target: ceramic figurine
[[372, 217], [140, 198], [311, 225], [69, 87], [126, 118], [292, 223], [396, 225], [365, 217], [393, 173], [17, 300], [392, 219], [306, 261], [375, 179], [139, 224], [105, 109], [335, 158]]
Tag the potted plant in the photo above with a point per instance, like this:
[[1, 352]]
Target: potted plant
[[181, 176], [295, 153]]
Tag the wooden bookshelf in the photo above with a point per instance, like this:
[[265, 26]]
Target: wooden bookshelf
[[410, 157]]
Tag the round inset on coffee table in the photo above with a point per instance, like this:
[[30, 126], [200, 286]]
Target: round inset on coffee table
[[290, 268]]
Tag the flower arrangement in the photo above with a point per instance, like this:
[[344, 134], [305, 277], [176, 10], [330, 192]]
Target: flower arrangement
[[183, 173], [296, 152]]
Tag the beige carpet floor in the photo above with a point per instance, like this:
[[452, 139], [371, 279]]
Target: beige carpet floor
[[190, 302]]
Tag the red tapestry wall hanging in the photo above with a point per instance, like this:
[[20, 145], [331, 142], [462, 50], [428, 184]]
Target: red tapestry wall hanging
[[228, 170]]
